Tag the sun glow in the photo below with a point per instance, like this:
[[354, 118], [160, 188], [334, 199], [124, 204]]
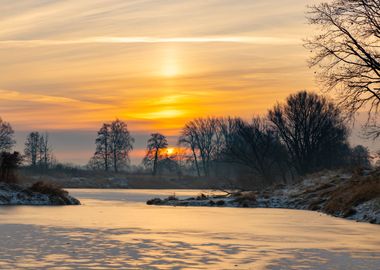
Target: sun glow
[[170, 151], [169, 70], [170, 65]]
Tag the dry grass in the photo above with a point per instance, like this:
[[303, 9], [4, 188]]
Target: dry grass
[[248, 195], [352, 193], [244, 199], [202, 196], [48, 188], [172, 198]]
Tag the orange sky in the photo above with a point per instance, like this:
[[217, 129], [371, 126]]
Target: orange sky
[[73, 64], [68, 66]]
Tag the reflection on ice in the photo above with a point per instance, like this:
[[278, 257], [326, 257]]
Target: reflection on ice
[[116, 230]]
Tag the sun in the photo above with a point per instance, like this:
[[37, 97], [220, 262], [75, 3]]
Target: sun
[[170, 151]]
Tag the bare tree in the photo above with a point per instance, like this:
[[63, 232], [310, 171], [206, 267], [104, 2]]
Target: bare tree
[[188, 139], [156, 143], [45, 152], [31, 150], [6, 136], [103, 146], [347, 52], [201, 134], [121, 143], [113, 145], [205, 137], [312, 129], [255, 145], [38, 151]]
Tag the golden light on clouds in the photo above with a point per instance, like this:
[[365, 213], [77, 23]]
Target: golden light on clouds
[[258, 40], [154, 64], [161, 113]]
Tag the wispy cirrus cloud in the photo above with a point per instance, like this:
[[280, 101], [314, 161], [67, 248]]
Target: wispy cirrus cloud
[[72, 65], [259, 40], [11, 95]]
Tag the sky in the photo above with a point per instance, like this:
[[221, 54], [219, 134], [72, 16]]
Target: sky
[[68, 66]]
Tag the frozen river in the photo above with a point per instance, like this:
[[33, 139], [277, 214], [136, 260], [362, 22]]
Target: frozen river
[[115, 229]]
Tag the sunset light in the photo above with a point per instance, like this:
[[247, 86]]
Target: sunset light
[[190, 134], [170, 151], [106, 69], [170, 68], [155, 76]]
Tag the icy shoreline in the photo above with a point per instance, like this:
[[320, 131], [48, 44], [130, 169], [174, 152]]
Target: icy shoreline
[[11, 194], [340, 195]]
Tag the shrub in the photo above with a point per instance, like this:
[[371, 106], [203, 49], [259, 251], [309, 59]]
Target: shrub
[[154, 201], [172, 198], [201, 196], [9, 162], [220, 203], [49, 189]]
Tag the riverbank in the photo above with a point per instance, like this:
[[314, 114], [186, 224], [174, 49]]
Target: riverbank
[[355, 197], [38, 194]]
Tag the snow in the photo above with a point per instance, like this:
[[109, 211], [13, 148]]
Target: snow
[[18, 195], [311, 193]]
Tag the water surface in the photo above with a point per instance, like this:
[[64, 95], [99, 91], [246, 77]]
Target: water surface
[[115, 229]]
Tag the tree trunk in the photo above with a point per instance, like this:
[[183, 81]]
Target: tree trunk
[[106, 155], [196, 162], [114, 159], [155, 162]]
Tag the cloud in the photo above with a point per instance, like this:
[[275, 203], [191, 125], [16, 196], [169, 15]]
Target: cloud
[[131, 40], [70, 65], [9, 95]]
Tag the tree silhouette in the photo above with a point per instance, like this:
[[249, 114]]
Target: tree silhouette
[[6, 136], [121, 143], [9, 162], [156, 143], [360, 157], [113, 145], [255, 145], [32, 145], [312, 129], [38, 150], [103, 146], [188, 139], [347, 53], [204, 139]]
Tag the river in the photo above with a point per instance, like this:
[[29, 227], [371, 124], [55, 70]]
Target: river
[[115, 229]]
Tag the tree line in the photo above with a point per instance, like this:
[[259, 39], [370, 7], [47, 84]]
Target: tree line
[[37, 152], [305, 134]]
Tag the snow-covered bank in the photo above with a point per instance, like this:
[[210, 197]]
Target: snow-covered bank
[[11, 194], [342, 195]]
